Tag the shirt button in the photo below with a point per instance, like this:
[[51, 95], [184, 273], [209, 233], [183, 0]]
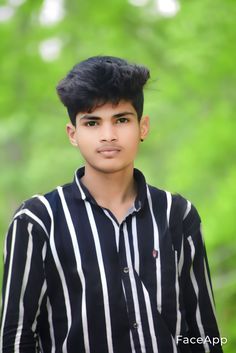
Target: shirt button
[[126, 269], [135, 325]]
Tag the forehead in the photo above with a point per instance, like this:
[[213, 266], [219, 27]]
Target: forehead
[[108, 110]]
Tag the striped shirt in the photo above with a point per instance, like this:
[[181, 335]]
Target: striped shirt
[[78, 281]]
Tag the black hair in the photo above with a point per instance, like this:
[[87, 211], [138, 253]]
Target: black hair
[[101, 79]]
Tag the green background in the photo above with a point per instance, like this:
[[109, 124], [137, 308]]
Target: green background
[[190, 98]]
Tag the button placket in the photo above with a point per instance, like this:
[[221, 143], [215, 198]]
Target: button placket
[[126, 271]]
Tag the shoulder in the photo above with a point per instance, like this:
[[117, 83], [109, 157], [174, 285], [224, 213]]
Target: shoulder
[[176, 202], [185, 210], [38, 209], [33, 211], [178, 208]]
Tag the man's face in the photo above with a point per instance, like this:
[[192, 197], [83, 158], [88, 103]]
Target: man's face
[[108, 138]]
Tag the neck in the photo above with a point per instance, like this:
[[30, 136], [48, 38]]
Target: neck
[[110, 189]]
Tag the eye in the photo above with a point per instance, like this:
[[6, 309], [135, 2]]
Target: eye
[[91, 123], [122, 120]]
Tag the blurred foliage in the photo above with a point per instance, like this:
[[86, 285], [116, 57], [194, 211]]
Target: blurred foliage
[[190, 98]]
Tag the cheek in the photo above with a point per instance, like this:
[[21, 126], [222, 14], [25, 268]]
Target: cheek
[[132, 143], [132, 131], [86, 144], [84, 138], [133, 136]]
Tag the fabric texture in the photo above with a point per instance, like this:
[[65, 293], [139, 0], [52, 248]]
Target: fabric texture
[[77, 281]]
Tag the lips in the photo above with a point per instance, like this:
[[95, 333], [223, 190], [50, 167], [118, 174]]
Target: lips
[[108, 149]]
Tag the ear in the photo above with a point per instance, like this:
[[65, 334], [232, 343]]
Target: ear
[[70, 130], [144, 127]]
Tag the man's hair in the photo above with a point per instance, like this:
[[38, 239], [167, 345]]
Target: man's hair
[[99, 80]]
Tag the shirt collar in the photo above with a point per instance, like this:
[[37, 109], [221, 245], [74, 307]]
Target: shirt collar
[[81, 192]]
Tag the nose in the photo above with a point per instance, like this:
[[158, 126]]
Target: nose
[[108, 133]]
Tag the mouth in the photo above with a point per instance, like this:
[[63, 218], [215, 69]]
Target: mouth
[[109, 151]]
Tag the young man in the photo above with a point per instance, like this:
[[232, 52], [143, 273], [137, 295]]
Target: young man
[[107, 263]]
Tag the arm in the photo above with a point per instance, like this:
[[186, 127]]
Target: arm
[[197, 288], [23, 285]]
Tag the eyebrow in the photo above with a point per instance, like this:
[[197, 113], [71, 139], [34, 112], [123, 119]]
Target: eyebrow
[[94, 117]]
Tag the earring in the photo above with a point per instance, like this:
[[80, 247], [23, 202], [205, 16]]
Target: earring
[[141, 140]]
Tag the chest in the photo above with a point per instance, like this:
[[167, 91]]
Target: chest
[[95, 247]]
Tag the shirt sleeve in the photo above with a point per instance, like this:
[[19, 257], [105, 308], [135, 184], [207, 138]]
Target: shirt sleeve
[[24, 285], [203, 333]]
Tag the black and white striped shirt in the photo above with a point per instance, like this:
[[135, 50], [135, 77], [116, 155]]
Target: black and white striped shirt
[[77, 281]]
